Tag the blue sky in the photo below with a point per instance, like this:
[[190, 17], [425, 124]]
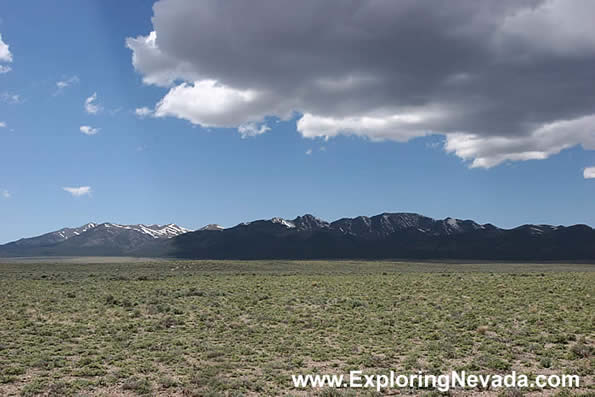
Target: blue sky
[[177, 169]]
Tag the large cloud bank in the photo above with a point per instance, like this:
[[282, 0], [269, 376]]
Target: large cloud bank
[[502, 80]]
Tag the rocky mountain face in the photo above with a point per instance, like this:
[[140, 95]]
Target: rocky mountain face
[[53, 237], [383, 225], [384, 236]]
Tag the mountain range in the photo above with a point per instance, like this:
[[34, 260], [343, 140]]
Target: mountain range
[[93, 239], [384, 236]]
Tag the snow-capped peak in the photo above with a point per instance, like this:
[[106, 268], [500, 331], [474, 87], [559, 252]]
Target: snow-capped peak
[[66, 233], [84, 228], [284, 222], [155, 231], [453, 223], [212, 226]]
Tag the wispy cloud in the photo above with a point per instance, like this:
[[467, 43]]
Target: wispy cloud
[[62, 84], [115, 111], [309, 152], [143, 112], [88, 130], [78, 191], [12, 99], [68, 82], [252, 129], [6, 194], [589, 173], [2, 124], [91, 106], [5, 69]]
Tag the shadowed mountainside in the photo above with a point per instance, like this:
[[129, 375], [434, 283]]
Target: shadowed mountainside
[[397, 235]]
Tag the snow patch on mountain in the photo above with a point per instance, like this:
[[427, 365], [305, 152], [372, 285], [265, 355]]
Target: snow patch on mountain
[[453, 223], [212, 226], [67, 232], [283, 222], [155, 231]]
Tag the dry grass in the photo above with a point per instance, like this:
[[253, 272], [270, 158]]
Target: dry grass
[[242, 328]]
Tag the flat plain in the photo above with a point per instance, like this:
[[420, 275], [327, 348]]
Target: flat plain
[[109, 327]]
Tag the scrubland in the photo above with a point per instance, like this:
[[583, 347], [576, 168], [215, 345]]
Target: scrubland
[[232, 328]]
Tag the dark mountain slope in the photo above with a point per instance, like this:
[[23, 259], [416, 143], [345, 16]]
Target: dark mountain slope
[[397, 235]]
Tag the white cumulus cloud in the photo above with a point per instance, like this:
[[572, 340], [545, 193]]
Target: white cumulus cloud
[[589, 173], [88, 130], [5, 55], [551, 138], [501, 80], [160, 69], [394, 127], [211, 104], [2, 124], [78, 191]]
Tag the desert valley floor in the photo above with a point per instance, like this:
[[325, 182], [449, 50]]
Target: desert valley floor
[[124, 327]]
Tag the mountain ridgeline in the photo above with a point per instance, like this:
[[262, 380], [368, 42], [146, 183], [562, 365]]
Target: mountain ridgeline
[[92, 239], [387, 236], [384, 236]]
